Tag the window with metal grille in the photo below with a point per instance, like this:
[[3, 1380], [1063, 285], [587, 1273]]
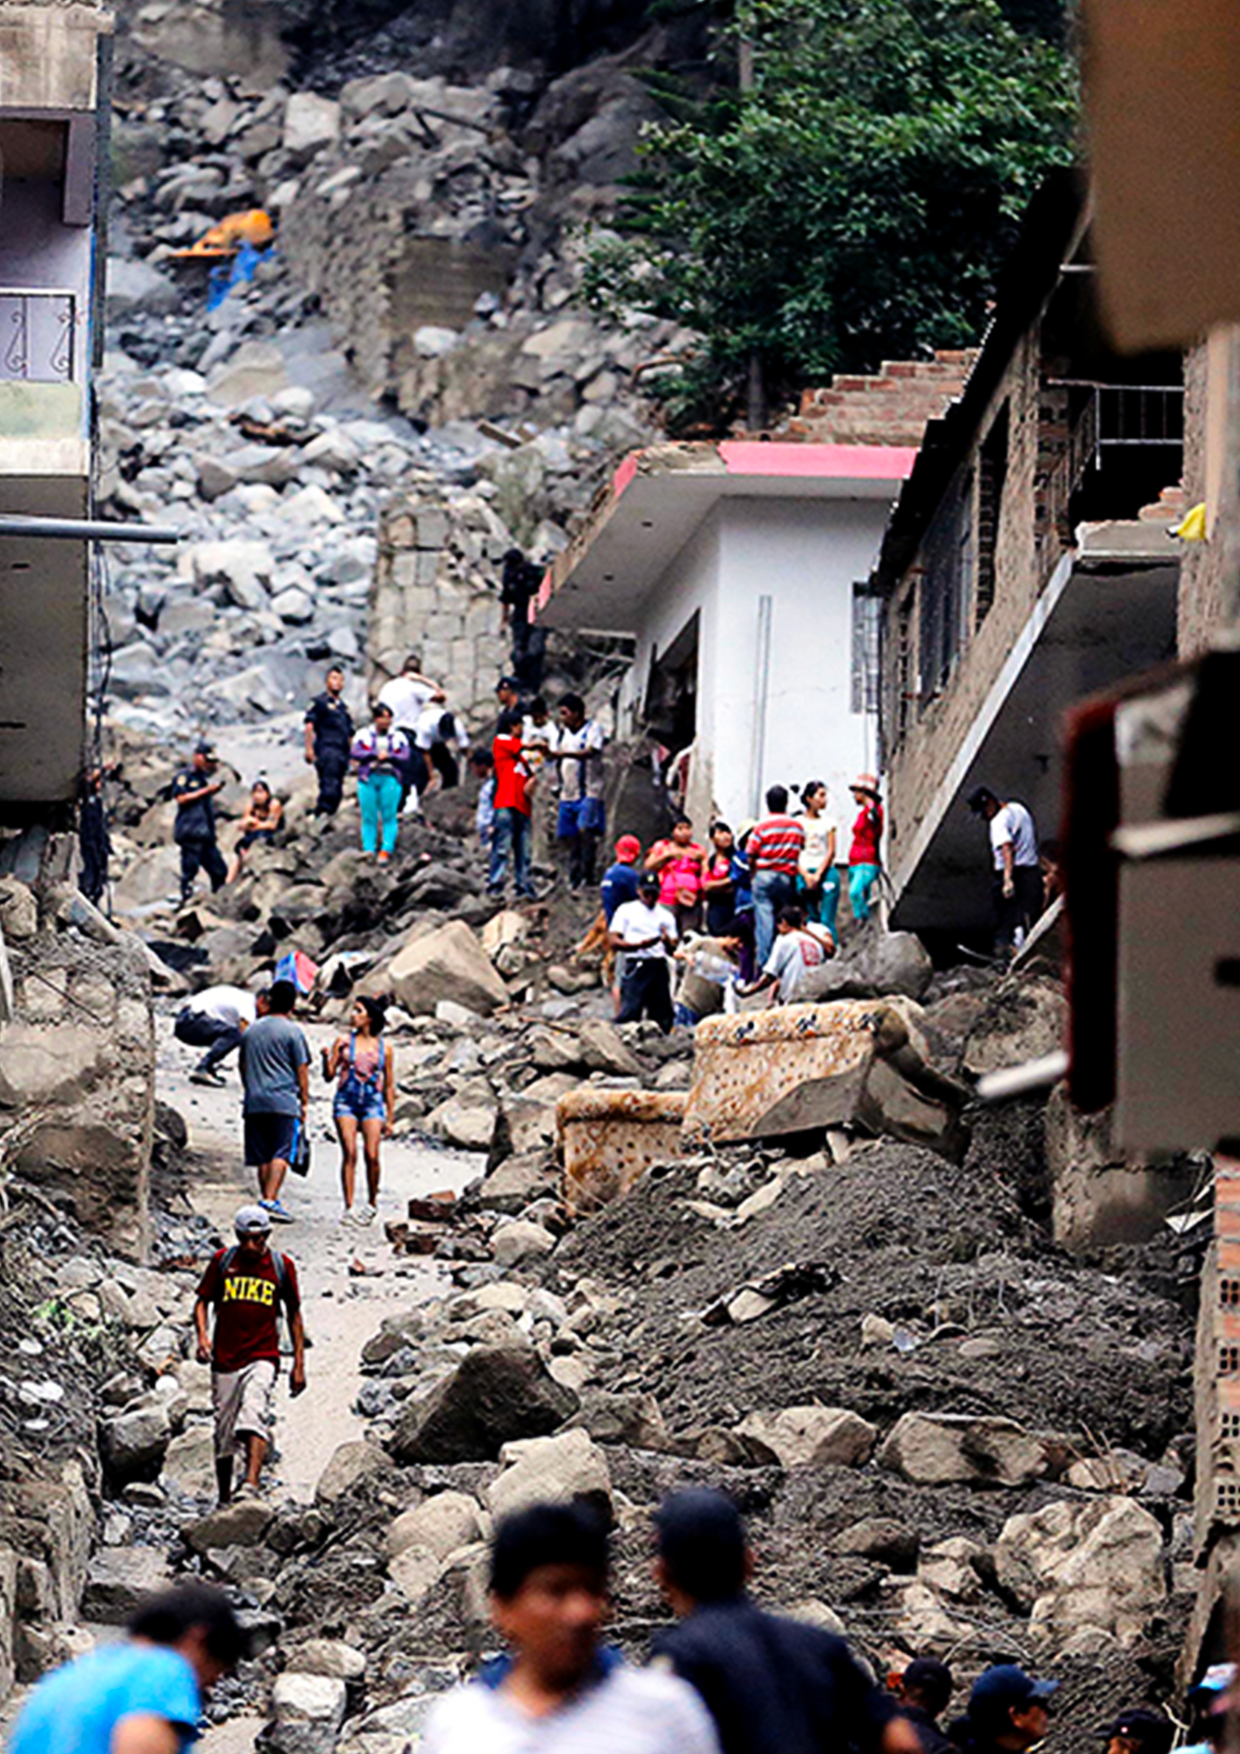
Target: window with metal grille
[[991, 475], [867, 608], [945, 588]]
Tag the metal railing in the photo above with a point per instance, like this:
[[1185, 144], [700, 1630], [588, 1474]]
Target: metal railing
[[38, 329]]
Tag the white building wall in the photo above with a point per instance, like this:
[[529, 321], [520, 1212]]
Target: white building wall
[[806, 555]]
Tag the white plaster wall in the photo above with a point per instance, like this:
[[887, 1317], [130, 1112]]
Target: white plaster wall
[[690, 583], [806, 554]]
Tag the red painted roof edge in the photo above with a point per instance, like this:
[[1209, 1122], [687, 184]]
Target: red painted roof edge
[[822, 462]]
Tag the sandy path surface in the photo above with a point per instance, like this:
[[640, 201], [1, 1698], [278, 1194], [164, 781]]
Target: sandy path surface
[[341, 1311]]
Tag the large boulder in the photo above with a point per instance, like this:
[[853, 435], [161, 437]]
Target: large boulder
[[552, 1470], [875, 964], [1025, 1018], [134, 1442], [307, 1712], [120, 1579], [1096, 1566], [939, 1449], [813, 1436], [440, 1525], [495, 1396], [351, 1465], [467, 1119], [242, 1523], [448, 963]]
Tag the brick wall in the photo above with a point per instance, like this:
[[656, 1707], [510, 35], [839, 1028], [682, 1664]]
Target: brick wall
[[890, 408], [937, 728]]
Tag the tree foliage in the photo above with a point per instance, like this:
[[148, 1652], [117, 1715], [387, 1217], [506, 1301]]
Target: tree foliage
[[853, 204]]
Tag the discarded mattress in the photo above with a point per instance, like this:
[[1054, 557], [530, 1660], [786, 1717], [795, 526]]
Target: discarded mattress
[[609, 1138], [852, 1063]]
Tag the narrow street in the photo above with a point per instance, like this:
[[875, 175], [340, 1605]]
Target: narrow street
[[342, 1308]]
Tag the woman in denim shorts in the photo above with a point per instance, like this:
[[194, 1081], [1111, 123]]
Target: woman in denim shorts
[[365, 1098]]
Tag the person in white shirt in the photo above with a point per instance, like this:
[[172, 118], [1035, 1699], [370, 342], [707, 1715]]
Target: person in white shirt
[[436, 734], [216, 1019], [582, 819], [818, 880], [645, 932], [1016, 883], [560, 1690], [794, 952], [407, 696]]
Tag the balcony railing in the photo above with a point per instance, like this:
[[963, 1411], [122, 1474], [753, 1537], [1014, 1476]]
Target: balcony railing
[[37, 334]]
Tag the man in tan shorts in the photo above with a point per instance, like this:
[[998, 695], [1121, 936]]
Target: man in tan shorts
[[245, 1285]]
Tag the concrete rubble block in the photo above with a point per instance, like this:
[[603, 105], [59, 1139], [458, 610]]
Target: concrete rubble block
[[848, 1063], [243, 1523], [813, 1436], [327, 1656], [552, 1470], [875, 964], [119, 1579], [352, 1465], [1094, 1566], [133, 1443], [608, 1139], [937, 1449], [635, 1420], [496, 1395], [520, 1240], [440, 1524], [448, 963], [311, 122], [1100, 1195]]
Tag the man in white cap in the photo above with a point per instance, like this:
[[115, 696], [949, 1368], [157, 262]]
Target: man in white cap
[[245, 1285]]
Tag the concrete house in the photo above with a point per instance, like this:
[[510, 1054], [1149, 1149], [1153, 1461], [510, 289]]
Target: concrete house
[[51, 127], [1026, 565], [740, 571]]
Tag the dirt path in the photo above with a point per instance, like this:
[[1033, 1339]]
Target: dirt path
[[341, 1310]]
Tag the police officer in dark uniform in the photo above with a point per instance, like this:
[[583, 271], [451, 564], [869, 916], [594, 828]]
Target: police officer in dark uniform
[[329, 735], [194, 789]]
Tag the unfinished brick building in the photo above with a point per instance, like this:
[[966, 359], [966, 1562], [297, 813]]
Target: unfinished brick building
[[1027, 564]]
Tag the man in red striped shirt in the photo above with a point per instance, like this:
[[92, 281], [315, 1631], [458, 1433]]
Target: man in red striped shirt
[[773, 849]]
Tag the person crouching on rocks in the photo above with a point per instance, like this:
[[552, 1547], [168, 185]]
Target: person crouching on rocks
[[260, 821], [380, 756], [365, 1101]]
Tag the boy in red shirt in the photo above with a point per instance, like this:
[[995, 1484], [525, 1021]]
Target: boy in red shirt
[[246, 1286], [773, 850], [510, 831]]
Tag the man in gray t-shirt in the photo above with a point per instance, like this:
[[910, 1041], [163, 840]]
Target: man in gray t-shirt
[[275, 1075]]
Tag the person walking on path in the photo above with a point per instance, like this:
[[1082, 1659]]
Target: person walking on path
[[145, 1693], [582, 819], [365, 1101], [510, 835], [646, 933], [679, 863], [275, 1075], [260, 821], [559, 1689], [194, 788], [865, 859], [1016, 884], [773, 849], [246, 1286], [772, 1685], [328, 733], [818, 881], [380, 756], [216, 1019]]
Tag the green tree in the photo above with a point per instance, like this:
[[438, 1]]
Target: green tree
[[851, 203]]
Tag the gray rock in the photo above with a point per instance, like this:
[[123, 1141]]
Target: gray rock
[[327, 1656], [632, 1419], [351, 1464], [881, 1539], [439, 1525], [119, 1579], [552, 1470], [520, 1241], [813, 1436], [495, 1396], [448, 963], [935, 1449], [875, 964], [137, 286], [311, 122], [240, 1524], [134, 1442]]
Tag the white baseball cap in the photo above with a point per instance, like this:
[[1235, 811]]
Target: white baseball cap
[[252, 1221]]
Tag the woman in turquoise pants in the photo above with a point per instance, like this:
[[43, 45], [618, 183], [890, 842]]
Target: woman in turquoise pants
[[379, 754]]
